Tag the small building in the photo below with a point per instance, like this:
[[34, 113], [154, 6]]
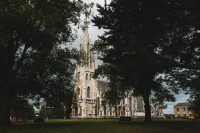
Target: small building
[[183, 110]]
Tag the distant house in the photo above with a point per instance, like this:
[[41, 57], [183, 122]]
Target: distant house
[[183, 110]]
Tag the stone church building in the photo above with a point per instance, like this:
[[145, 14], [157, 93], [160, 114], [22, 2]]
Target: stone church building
[[90, 92]]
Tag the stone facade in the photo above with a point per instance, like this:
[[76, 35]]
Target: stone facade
[[182, 110], [90, 91]]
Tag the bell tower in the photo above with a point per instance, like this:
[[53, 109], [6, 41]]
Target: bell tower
[[85, 84]]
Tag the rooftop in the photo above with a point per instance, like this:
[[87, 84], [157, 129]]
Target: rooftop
[[102, 85], [182, 104]]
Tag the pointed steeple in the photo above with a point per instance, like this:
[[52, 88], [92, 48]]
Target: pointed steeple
[[85, 45], [85, 37]]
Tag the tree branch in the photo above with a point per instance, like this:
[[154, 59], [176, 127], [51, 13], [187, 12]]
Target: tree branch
[[20, 62], [181, 65]]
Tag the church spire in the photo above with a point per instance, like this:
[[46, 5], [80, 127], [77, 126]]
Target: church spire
[[85, 36]]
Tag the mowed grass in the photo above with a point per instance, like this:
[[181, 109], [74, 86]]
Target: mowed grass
[[105, 126]]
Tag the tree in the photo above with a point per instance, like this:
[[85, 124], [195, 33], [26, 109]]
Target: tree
[[21, 109], [26, 28], [135, 38], [114, 95], [45, 112], [194, 92], [188, 81], [195, 100], [50, 79], [48, 112], [183, 52]]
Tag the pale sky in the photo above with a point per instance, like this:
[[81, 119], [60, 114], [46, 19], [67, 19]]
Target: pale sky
[[179, 99], [94, 32]]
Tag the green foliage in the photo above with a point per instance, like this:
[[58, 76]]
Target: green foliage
[[21, 109], [137, 35], [44, 112], [193, 89], [49, 112], [146, 38], [186, 80], [50, 78], [30, 33], [182, 50]]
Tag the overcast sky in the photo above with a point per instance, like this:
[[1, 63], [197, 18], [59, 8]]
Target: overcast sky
[[94, 32]]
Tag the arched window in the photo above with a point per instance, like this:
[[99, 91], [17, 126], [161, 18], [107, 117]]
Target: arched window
[[78, 77], [78, 91], [90, 76], [86, 76], [88, 92]]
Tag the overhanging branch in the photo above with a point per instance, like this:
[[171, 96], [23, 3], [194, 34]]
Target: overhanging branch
[[173, 63], [20, 62]]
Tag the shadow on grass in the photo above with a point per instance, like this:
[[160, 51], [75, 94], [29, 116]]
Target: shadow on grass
[[105, 126]]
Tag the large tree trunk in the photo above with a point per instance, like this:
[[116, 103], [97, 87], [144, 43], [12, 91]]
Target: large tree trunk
[[5, 105], [7, 76], [68, 112], [147, 106], [7, 95]]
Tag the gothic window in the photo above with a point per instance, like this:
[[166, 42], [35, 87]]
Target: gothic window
[[88, 92], [80, 111], [76, 111], [78, 77], [123, 111], [104, 108], [90, 61], [130, 105], [90, 76], [86, 76], [98, 102], [78, 91]]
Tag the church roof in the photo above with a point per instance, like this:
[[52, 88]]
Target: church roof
[[102, 85]]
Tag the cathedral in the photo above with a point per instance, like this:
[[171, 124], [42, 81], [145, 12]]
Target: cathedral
[[90, 92]]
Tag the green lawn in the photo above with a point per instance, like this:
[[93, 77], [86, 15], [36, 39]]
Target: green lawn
[[105, 126]]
